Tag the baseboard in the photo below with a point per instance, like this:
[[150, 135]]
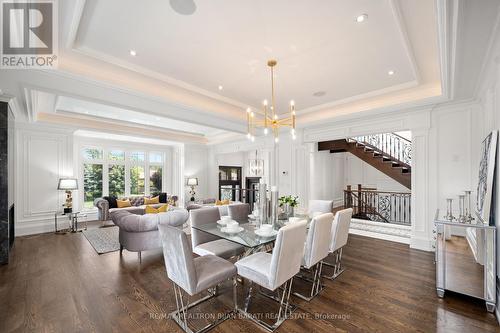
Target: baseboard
[[377, 235], [421, 244]]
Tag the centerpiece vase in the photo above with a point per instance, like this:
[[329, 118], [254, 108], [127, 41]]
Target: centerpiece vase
[[263, 205]]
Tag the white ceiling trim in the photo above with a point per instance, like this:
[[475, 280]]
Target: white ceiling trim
[[73, 46], [357, 98], [396, 11]]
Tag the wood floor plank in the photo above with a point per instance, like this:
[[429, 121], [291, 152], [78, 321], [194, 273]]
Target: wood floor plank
[[58, 283]]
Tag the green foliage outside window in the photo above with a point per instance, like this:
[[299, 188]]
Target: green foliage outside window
[[92, 180], [116, 175]]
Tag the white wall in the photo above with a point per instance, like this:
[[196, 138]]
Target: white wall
[[43, 155], [196, 166], [327, 176]]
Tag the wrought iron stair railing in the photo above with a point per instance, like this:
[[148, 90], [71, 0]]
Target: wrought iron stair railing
[[389, 144], [380, 206]]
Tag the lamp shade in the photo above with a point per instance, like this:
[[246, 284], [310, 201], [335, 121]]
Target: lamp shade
[[192, 182], [68, 184]]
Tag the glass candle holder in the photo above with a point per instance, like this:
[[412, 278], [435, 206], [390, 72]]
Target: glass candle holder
[[461, 208], [468, 207]]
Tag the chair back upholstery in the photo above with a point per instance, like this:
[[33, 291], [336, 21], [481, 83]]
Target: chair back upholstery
[[178, 258], [320, 206], [340, 229], [239, 212], [200, 217], [287, 253], [319, 238]]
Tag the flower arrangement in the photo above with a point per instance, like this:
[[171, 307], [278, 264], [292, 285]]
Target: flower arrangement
[[289, 200]]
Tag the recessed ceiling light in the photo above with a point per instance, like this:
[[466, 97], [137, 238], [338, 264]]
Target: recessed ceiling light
[[362, 18], [221, 87], [319, 93], [133, 53], [391, 72]]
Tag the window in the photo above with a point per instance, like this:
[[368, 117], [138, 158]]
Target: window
[[92, 154], [137, 156], [155, 158], [229, 183], [118, 172], [116, 181], [155, 179], [137, 180], [116, 155], [92, 183]]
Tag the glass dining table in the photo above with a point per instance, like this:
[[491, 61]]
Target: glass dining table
[[247, 237]]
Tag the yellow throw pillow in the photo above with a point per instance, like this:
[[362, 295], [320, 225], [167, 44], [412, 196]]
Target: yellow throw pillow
[[123, 203], [222, 202], [152, 210], [152, 201]]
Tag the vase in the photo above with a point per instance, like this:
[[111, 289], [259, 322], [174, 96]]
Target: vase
[[287, 210]]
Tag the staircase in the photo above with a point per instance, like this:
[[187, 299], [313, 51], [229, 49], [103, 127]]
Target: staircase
[[387, 152]]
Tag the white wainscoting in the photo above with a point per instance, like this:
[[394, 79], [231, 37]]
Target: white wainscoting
[[43, 155]]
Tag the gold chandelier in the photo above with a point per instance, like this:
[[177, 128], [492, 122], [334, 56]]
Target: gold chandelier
[[271, 120]]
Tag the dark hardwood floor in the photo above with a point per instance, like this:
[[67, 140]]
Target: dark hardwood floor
[[58, 283]]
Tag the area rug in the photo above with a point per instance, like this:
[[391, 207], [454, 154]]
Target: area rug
[[103, 240]]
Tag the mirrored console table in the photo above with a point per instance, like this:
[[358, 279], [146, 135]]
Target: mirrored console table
[[466, 259]]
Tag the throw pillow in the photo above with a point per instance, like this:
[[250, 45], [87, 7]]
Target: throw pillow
[[152, 201], [163, 197], [112, 201], [222, 202], [123, 203], [152, 210]]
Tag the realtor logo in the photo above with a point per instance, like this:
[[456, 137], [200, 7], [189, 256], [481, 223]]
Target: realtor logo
[[29, 34]]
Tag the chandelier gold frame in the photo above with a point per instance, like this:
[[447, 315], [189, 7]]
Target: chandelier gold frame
[[271, 119]]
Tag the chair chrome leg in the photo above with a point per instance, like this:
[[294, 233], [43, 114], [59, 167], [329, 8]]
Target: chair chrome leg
[[180, 316], [249, 296], [284, 312], [121, 249], [337, 266], [235, 293], [316, 283], [140, 256]]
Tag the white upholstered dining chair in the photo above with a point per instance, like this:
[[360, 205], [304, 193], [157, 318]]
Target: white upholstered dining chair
[[194, 276], [276, 270], [319, 206], [204, 243], [340, 234], [239, 212], [316, 249]]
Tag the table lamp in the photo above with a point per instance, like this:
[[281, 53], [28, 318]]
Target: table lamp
[[192, 182], [68, 185]]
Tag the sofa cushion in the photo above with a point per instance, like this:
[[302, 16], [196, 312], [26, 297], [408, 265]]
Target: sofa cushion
[[174, 217], [136, 200]]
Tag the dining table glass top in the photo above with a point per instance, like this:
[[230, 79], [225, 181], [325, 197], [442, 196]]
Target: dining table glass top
[[246, 237]]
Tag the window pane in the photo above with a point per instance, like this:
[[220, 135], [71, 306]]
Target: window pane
[[137, 180], [137, 156], [92, 153], [116, 180], [226, 192], [116, 155], [92, 183], [155, 173], [155, 157]]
